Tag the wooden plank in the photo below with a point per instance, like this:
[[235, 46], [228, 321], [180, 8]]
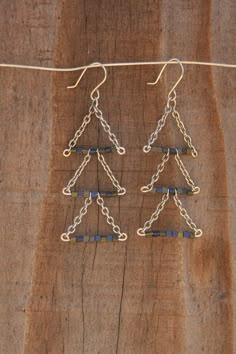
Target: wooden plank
[[143, 296], [27, 38]]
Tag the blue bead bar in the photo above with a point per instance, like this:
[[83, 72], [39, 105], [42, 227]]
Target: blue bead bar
[[93, 150], [94, 194], [172, 190], [169, 233], [172, 150], [95, 238]]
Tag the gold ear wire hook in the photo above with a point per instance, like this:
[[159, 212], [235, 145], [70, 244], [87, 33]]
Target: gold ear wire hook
[[177, 82], [84, 71]]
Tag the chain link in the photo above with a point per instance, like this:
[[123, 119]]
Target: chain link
[[184, 214], [80, 131], [93, 109], [155, 215], [83, 211], [105, 211], [72, 181], [170, 108], [160, 125], [160, 169], [156, 176], [121, 190], [107, 129], [186, 175], [180, 124], [77, 220]]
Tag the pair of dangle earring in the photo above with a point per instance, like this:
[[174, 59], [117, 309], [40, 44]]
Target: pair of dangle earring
[[170, 109], [94, 110]]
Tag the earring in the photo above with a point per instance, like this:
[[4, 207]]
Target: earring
[[170, 109], [94, 110]]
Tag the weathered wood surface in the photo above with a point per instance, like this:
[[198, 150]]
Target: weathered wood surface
[[161, 296]]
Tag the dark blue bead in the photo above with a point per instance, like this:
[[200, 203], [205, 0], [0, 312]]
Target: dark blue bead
[[94, 194], [80, 193], [188, 191], [186, 234], [79, 238], [159, 189], [171, 190], [168, 233], [174, 233], [155, 233], [97, 238], [109, 237], [172, 151], [79, 150], [93, 150]]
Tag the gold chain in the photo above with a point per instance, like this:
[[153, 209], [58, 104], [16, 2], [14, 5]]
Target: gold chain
[[77, 220], [107, 129], [72, 181], [155, 215], [184, 214], [83, 211], [110, 220], [93, 109], [156, 175], [80, 131], [180, 124], [121, 190], [186, 175]]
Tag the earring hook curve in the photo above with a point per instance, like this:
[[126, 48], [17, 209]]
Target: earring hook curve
[[84, 71], [163, 68]]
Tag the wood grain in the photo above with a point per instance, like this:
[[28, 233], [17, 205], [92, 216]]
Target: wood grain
[[142, 296]]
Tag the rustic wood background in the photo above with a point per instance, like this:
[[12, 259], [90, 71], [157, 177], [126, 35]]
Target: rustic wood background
[[139, 297]]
